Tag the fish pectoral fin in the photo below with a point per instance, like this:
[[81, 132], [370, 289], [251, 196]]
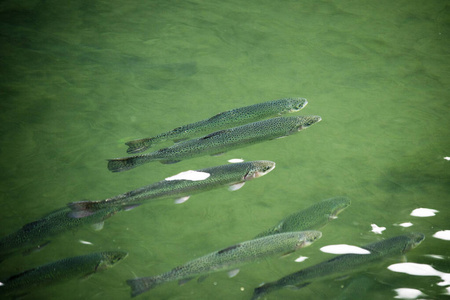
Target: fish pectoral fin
[[297, 287], [182, 199], [180, 140], [233, 273], [342, 278], [130, 207], [86, 276], [286, 254], [36, 249], [236, 186], [168, 161], [98, 226], [184, 280], [202, 278]]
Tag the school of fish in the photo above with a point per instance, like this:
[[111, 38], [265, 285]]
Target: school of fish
[[225, 131]]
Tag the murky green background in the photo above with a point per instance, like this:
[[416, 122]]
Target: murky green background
[[80, 78]]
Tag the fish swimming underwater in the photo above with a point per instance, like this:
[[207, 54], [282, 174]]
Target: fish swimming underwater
[[65, 269], [37, 234], [219, 141], [229, 258], [313, 217], [230, 118], [344, 264], [180, 186]]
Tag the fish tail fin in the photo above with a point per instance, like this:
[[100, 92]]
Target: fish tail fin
[[258, 292], [143, 284], [264, 289], [81, 209], [137, 146], [127, 163]]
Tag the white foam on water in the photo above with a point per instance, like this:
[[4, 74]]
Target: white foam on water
[[424, 212], [406, 293], [189, 175], [443, 235], [235, 160], [301, 258], [406, 224], [85, 242], [344, 249], [421, 270], [376, 229]]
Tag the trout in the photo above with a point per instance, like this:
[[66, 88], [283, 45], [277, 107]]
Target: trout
[[313, 217], [180, 186], [65, 269], [219, 142], [35, 235], [229, 258], [230, 118], [344, 264]]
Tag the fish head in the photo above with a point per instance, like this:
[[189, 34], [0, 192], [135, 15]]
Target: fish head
[[295, 104], [339, 204], [259, 168], [306, 238], [304, 122], [415, 239]]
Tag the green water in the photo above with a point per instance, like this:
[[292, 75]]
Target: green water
[[80, 78]]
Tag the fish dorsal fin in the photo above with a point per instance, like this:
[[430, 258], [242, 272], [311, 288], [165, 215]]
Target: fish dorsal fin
[[212, 134], [236, 186], [229, 249], [14, 277], [169, 161], [182, 199], [32, 225]]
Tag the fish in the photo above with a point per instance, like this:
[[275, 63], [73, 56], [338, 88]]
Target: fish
[[37, 234], [343, 264], [219, 142], [226, 119], [313, 217], [228, 258], [61, 270], [234, 175]]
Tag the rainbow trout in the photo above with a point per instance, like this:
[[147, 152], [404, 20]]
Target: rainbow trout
[[180, 186], [230, 118], [314, 217], [229, 258], [35, 235], [344, 264], [219, 141], [64, 269]]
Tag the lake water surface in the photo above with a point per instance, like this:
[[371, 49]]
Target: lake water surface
[[80, 78]]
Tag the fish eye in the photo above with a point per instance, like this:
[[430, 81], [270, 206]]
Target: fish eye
[[265, 169], [309, 122]]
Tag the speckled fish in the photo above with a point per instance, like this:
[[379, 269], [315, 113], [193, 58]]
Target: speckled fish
[[64, 269], [230, 118], [344, 264], [229, 258], [37, 234], [314, 217], [180, 186], [219, 142]]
